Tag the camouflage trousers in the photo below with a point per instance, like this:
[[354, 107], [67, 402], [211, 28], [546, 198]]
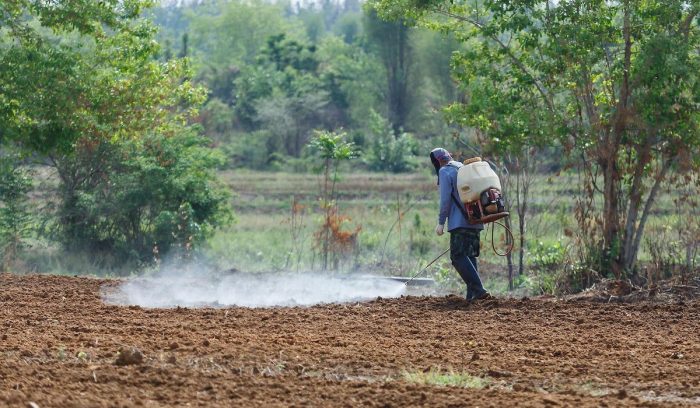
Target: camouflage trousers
[[464, 242]]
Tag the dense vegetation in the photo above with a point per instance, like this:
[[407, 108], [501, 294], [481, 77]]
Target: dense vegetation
[[135, 107]]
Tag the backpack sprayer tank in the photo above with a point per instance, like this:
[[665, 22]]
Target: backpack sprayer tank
[[480, 192]]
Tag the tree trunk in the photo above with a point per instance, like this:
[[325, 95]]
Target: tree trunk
[[634, 205], [611, 217], [523, 181], [631, 257], [509, 258]]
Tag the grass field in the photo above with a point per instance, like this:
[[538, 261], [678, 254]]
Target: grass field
[[396, 214], [261, 239]]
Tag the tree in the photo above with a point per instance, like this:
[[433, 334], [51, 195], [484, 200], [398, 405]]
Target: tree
[[288, 94], [388, 152], [232, 33], [615, 82], [124, 201], [391, 41], [45, 75], [82, 87]]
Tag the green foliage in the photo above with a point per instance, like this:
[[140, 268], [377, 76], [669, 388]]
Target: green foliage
[[220, 81], [349, 27], [548, 258], [134, 201], [330, 148], [391, 42], [250, 150], [217, 119], [232, 33], [59, 84], [388, 152], [92, 19], [287, 70], [548, 266], [616, 83], [287, 95], [353, 78], [82, 86], [15, 217]]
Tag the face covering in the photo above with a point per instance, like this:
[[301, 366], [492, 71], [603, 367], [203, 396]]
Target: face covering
[[435, 157]]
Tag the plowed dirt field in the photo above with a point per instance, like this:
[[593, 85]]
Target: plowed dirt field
[[59, 345]]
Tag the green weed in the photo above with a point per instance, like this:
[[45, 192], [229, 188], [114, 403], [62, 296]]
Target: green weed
[[449, 378]]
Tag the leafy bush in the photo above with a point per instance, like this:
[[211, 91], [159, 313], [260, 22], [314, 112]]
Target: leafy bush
[[547, 264], [548, 258], [134, 201], [388, 152]]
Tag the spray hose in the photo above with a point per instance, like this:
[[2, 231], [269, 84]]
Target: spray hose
[[509, 238]]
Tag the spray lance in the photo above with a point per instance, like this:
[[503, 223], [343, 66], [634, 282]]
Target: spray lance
[[426, 267], [482, 201]]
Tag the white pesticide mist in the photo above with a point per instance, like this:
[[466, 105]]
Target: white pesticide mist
[[192, 288]]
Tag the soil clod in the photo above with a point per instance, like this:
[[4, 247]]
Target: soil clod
[[129, 356]]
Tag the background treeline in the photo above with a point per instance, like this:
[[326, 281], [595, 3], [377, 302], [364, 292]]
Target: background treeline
[[275, 72]]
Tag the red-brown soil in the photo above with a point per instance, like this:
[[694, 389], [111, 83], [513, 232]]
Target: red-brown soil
[[59, 347]]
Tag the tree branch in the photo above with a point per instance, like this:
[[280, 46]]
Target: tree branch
[[687, 21], [647, 207], [540, 88]]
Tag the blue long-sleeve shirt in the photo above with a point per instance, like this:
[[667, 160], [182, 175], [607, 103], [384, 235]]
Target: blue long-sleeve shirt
[[449, 211]]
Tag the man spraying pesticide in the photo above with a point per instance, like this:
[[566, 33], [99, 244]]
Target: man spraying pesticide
[[470, 195]]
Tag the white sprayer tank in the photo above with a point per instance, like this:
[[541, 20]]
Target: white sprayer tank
[[474, 178]]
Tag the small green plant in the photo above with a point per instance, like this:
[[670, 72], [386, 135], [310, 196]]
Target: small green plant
[[548, 264], [450, 378], [548, 258], [331, 239], [82, 356], [61, 354]]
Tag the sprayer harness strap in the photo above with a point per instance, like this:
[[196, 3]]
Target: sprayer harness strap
[[457, 203]]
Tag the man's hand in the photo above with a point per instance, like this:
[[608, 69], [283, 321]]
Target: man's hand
[[440, 229]]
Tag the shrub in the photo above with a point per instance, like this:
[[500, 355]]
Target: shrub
[[547, 265], [388, 152], [548, 258], [134, 201]]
